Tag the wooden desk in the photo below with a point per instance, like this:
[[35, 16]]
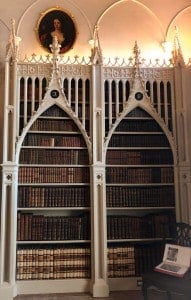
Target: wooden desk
[[158, 286]]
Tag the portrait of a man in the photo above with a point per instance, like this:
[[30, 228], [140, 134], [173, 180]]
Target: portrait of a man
[[56, 23]]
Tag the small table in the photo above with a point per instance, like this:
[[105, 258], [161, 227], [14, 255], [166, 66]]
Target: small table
[[161, 286]]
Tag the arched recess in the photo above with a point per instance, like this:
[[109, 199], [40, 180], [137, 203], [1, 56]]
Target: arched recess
[[140, 189], [180, 27], [153, 115], [68, 114], [118, 30], [53, 181]]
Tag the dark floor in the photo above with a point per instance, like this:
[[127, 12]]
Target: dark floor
[[122, 295]]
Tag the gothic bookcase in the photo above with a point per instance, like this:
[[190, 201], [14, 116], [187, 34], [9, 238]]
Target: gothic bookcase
[[90, 174]]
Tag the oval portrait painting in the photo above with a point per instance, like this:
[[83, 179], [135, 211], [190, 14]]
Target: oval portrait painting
[[56, 22]]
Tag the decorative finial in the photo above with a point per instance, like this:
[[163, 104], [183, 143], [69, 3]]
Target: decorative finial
[[55, 48], [137, 91], [13, 46], [13, 26], [96, 53], [136, 52], [177, 50]]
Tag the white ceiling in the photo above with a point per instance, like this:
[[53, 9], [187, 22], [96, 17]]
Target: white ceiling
[[120, 23]]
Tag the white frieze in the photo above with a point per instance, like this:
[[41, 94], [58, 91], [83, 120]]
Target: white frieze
[[156, 73], [34, 69], [145, 73], [75, 70], [120, 73], [46, 70]]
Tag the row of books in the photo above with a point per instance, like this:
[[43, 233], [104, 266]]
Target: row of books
[[139, 227], [139, 175], [138, 112], [76, 140], [123, 196], [53, 174], [139, 157], [53, 156], [53, 140], [138, 125], [110, 105], [82, 111], [79, 196], [32, 227], [55, 111], [138, 140], [32, 196], [76, 196], [80, 156], [54, 125], [133, 260], [121, 261], [53, 263]]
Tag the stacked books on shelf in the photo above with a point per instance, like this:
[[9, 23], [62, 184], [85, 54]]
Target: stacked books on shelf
[[55, 196], [153, 225], [121, 261], [53, 218], [31, 227], [56, 262]]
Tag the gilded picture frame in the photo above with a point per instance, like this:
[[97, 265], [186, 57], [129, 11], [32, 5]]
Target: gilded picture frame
[[56, 22]]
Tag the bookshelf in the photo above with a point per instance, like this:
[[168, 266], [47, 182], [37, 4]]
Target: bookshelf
[[140, 195], [91, 176], [53, 210]]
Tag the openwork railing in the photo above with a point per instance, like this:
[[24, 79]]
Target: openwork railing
[[110, 62]]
